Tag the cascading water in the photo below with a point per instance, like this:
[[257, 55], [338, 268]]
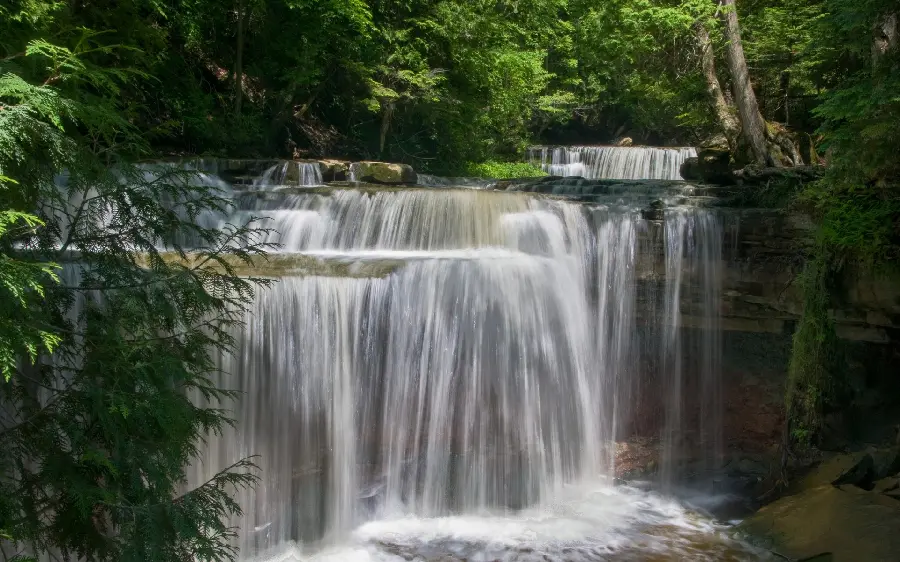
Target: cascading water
[[464, 403], [291, 173], [463, 400], [613, 162], [693, 241]]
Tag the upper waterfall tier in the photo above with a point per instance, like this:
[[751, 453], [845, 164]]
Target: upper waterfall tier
[[413, 219], [613, 162]]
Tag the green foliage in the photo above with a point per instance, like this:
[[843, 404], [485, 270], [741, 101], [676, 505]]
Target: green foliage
[[21, 285], [103, 362], [859, 199], [856, 203], [779, 41], [814, 379], [473, 78], [639, 69], [503, 170], [858, 220]]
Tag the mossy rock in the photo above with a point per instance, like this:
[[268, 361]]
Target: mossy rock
[[383, 172], [334, 170]]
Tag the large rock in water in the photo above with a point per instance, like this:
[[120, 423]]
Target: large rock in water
[[711, 165], [383, 172], [334, 170], [846, 522]]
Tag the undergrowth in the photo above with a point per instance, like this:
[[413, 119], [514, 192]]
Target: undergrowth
[[815, 382], [503, 170], [860, 221]]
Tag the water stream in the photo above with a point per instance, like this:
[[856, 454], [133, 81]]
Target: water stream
[[463, 401], [290, 173], [614, 162]]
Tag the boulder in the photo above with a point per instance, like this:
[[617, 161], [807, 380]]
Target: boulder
[[623, 141], [886, 462], [690, 169], [656, 211], [718, 141], [711, 165], [840, 469], [383, 172], [783, 145], [334, 170], [863, 469], [861, 474], [847, 522], [887, 486]]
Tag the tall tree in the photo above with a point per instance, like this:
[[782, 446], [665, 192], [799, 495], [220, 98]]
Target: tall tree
[[753, 126], [239, 60], [97, 426], [724, 111]]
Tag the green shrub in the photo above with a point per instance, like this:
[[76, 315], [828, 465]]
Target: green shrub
[[503, 170], [814, 383]]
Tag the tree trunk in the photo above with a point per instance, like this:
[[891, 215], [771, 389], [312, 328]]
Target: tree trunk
[[887, 36], [386, 115], [239, 61], [724, 111], [753, 126]]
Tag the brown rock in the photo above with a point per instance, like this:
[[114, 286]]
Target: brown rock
[[383, 172], [887, 485], [334, 170], [847, 522], [861, 474], [887, 462], [836, 470]]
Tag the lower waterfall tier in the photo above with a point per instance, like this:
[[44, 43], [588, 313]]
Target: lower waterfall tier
[[590, 522], [486, 368]]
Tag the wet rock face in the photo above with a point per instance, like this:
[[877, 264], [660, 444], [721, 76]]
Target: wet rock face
[[765, 252], [868, 469]]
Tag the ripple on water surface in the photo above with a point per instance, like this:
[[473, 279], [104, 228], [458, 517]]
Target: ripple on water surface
[[598, 523]]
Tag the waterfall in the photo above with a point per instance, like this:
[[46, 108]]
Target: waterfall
[[490, 368], [291, 173], [456, 376], [702, 241], [614, 162]]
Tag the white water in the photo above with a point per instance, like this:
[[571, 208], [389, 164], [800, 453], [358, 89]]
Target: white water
[[465, 405], [469, 399], [590, 522], [291, 173], [613, 162]]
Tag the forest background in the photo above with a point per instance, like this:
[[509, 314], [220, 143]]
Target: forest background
[[97, 427]]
